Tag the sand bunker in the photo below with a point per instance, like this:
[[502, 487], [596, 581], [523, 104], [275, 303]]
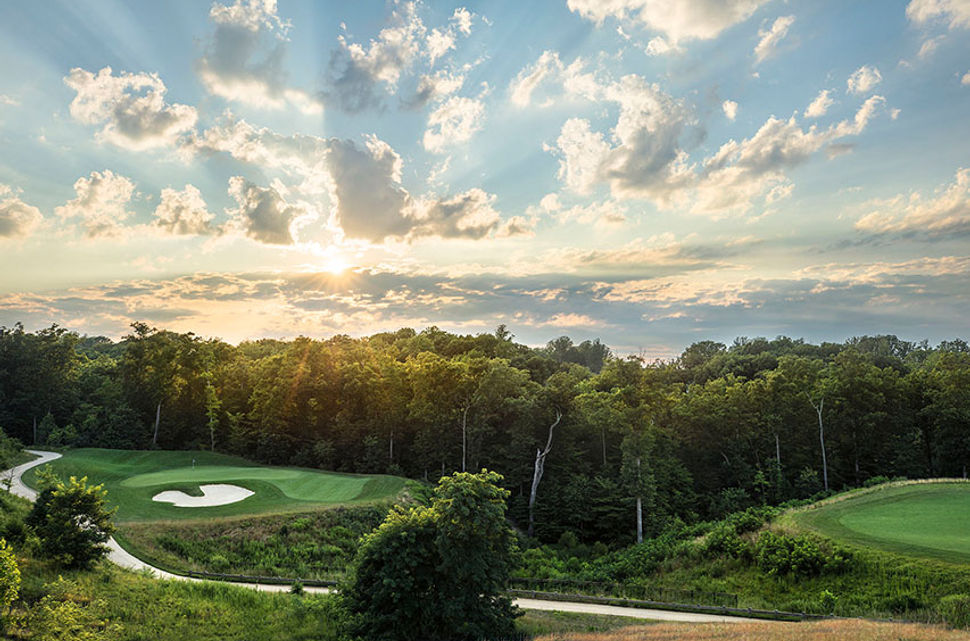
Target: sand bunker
[[212, 495]]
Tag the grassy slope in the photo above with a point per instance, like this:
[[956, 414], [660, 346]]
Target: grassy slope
[[821, 631], [917, 520], [132, 478]]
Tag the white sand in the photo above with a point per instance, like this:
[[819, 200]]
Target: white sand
[[212, 495]]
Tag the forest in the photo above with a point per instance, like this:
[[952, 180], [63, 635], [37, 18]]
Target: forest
[[596, 442]]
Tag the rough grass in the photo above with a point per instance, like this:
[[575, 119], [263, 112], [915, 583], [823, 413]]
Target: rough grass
[[845, 630], [926, 520], [132, 478], [539, 622], [314, 545]]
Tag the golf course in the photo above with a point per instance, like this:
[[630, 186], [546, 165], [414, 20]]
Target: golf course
[[925, 520], [134, 478]]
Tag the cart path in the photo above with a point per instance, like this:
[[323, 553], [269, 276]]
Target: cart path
[[119, 556]]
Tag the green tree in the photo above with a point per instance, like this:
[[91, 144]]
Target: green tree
[[9, 579], [71, 520], [438, 572]]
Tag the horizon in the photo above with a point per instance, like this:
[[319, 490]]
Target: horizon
[[643, 173]]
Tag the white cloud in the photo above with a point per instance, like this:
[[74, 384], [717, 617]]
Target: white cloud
[[243, 60], [730, 109], [131, 107], [645, 159], [770, 38], [677, 19], [953, 13], [358, 71], [660, 46], [8, 100], [939, 217], [863, 79], [101, 203], [525, 83], [929, 46], [820, 105], [741, 172], [966, 79], [262, 213], [453, 122], [467, 215], [548, 73], [183, 212], [17, 218], [434, 87]]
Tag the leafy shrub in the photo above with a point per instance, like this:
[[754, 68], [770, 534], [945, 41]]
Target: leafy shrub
[[875, 480], [955, 609], [827, 601], [724, 541], [783, 554]]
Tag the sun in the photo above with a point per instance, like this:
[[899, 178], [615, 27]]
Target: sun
[[334, 264]]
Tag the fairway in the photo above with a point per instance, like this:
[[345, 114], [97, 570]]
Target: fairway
[[930, 520], [132, 478]]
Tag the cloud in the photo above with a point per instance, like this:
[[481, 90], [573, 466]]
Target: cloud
[[742, 171], [965, 81], [8, 100], [770, 38], [453, 122], [730, 109], [372, 204], [942, 217], [434, 87], [262, 214], [820, 105], [101, 203], [529, 78], [131, 107], [678, 20], [644, 159], [183, 212], [863, 79], [299, 155], [548, 72], [952, 13], [17, 218], [360, 75], [243, 59]]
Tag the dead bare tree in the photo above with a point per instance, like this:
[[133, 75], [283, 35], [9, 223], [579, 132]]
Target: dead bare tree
[[537, 472], [821, 439]]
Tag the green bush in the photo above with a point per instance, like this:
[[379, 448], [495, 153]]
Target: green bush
[[955, 609], [783, 554], [724, 541]]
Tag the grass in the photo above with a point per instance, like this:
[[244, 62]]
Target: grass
[[846, 630], [539, 622], [132, 478], [919, 520]]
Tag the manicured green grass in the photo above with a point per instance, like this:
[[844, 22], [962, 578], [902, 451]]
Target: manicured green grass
[[132, 478], [927, 520]]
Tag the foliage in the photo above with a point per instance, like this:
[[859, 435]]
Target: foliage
[[71, 520], [798, 555], [955, 609], [9, 579], [437, 572]]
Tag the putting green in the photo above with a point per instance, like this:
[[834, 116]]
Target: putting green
[[930, 520], [132, 478], [296, 484]]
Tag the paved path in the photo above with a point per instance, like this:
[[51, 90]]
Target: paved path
[[120, 557]]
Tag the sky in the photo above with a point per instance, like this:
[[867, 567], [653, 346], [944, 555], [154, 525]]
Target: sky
[[648, 172]]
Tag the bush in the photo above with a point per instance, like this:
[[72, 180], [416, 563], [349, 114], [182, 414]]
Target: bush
[[724, 541], [783, 554], [875, 480], [9, 579], [955, 609], [827, 601]]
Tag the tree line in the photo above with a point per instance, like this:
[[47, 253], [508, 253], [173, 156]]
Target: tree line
[[609, 448]]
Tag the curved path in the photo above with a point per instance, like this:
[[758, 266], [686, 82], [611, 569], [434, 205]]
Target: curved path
[[120, 557]]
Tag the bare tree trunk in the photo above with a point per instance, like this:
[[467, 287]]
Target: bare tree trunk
[[35, 430], [212, 436], [821, 440], [537, 473], [158, 418], [464, 435], [639, 506], [777, 450], [390, 452]]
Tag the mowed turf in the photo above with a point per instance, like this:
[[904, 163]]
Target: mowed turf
[[930, 520], [132, 478]]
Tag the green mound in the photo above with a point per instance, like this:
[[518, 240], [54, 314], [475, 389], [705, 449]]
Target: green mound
[[929, 520], [132, 478]]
